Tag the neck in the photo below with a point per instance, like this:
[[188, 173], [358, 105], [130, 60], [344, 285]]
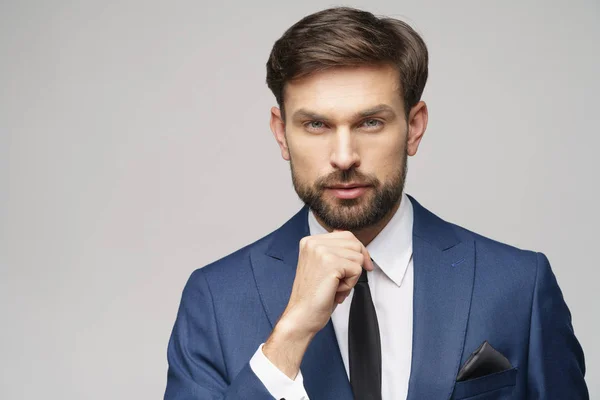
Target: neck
[[367, 234]]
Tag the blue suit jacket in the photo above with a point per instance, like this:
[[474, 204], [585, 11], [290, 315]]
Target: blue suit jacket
[[467, 289]]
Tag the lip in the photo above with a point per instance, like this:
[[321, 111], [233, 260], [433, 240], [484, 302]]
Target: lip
[[348, 192], [347, 185]]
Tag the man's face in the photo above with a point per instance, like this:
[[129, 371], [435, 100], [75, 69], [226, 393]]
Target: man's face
[[346, 127]]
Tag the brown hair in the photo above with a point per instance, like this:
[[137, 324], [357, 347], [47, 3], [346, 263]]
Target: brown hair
[[344, 36]]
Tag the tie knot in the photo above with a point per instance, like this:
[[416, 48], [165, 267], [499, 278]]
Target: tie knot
[[363, 277]]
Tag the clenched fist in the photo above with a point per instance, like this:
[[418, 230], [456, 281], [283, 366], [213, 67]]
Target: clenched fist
[[329, 266]]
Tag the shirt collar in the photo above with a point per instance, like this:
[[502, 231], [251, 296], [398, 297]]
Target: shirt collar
[[391, 249]]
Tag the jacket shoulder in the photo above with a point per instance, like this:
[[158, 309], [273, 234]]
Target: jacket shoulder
[[234, 267], [234, 262], [499, 254]]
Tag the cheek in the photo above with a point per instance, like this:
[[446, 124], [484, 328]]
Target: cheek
[[309, 156], [384, 147], [383, 158]]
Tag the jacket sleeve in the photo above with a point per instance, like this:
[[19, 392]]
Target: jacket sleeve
[[197, 369], [556, 365]]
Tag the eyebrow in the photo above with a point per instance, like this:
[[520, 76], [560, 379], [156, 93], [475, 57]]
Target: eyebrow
[[307, 114]]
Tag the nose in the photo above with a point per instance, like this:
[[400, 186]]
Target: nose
[[344, 154]]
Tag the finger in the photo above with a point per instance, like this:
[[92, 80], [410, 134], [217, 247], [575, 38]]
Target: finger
[[338, 242], [341, 296], [350, 272], [356, 246], [345, 285], [348, 283], [342, 238], [340, 232], [347, 254], [335, 232], [368, 265]]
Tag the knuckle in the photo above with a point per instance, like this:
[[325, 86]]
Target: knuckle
[[310, 243], [304, 241], [327, 257], [361, 258], [318, 249], [334, 275]]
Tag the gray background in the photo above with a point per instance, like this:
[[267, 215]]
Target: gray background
[[135, 147]]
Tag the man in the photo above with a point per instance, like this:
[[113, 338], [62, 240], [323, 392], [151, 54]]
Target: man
[[364, 293]]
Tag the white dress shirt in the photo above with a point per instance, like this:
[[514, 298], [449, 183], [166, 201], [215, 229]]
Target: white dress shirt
[[391, 285]]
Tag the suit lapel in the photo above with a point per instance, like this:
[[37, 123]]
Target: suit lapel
[[444, 268], [274, 270]]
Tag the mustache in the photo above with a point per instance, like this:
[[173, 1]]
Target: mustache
[[346, 176]]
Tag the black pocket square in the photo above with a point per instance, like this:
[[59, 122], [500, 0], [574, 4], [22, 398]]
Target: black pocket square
[[483, 361]]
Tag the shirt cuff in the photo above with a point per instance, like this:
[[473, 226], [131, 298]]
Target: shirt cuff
[[277, 383]]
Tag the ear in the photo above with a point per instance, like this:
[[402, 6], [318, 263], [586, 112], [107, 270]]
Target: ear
[[417, 123], [278, 129]]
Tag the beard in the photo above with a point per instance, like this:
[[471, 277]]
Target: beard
[[358, 213]]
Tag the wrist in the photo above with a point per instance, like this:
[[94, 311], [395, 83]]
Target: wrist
[[291, 329], [286, 346]]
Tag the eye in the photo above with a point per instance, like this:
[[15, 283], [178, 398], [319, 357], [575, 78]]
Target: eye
[[372, 124], [315, 126]]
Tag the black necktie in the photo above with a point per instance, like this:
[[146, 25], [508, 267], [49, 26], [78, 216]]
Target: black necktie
[[364, 344]]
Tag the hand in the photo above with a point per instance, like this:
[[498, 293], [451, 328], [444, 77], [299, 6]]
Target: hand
[[329, 266]]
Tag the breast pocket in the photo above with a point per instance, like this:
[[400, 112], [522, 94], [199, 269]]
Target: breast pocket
[[498, 386]]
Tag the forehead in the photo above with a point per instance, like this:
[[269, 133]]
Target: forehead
[[345, 90]]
